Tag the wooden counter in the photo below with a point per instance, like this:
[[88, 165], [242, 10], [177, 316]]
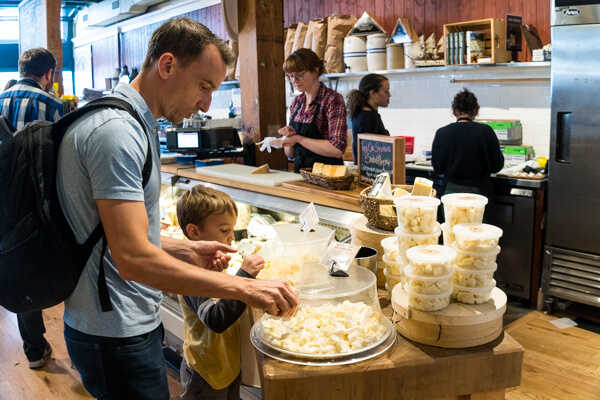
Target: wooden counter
[[318, 195], [408, 370]]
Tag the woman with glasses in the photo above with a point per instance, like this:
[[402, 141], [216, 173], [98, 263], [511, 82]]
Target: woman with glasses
[[362, 104], [317, 131]]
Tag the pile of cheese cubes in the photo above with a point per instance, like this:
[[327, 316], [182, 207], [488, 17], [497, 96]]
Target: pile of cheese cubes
[[325, 329], [394, 269], [429, 274]]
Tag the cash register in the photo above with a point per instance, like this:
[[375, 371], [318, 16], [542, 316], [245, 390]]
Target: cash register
[[205, 142]]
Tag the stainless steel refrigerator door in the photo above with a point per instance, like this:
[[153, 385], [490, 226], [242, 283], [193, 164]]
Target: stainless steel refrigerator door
[[574, 167]]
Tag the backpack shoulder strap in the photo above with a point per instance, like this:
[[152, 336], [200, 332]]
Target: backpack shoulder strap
[[98, 232]]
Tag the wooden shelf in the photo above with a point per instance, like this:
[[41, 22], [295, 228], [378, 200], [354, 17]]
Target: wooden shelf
[[495, 39]]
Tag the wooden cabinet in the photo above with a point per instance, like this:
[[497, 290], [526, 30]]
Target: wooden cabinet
[[493, 34]]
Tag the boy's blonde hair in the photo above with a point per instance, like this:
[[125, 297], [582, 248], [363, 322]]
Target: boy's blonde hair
[[198, 203]]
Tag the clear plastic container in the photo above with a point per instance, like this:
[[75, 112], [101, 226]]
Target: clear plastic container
[[473, 295], [470, 260], [417, 214], [477, 238], [461, 208], [407, 240], [447, 234], [393, 280], [427, 284], [336, 316], [390, 246], [431, 260], [427, 302], [281, 266], [473, 277], [306, 247], [392, 265]]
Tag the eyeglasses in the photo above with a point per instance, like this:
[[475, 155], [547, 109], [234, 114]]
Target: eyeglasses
[[298, 75]]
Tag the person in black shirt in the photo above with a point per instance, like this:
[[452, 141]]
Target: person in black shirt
[[466, 152], [362, 105]]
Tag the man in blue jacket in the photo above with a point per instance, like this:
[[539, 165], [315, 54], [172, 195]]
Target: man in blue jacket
[[25, 102]]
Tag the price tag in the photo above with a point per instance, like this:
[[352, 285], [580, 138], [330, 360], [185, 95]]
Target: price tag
[[309, 218], [246, 247], [339, 256]]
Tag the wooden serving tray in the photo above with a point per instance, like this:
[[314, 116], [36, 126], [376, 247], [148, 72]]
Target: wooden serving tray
[[456, 326]]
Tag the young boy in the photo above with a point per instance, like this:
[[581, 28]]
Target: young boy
[[211, 363]]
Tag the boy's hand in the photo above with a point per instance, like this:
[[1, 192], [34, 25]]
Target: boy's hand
[[252, 264]]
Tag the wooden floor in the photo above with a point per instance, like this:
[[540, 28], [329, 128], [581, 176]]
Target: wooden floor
[[561, 364]]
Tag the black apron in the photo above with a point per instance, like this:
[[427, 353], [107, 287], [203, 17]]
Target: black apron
[[305, 158]]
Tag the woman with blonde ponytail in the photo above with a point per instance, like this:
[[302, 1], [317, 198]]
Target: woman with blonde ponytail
[[362, 105]]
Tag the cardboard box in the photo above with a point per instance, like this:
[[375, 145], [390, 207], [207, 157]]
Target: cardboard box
[[514, 155]]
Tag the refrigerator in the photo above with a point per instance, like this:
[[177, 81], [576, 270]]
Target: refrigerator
[[571, 268]]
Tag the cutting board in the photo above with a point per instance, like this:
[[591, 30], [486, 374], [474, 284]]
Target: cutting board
[[456, 326], [348, 196], [237, 172]]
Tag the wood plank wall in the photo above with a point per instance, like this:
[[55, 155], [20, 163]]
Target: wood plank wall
[[105, 58], [425, 16], [134, 44]]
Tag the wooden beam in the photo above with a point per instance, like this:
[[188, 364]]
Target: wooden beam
[[52, 40], [261, 76]]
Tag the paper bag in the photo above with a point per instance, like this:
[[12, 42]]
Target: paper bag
[[319, 38], [337, 29], [232, 68], [309, 35], [289, 41], [300, 36]]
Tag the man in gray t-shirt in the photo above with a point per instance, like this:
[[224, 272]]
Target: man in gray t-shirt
[[119, 353]]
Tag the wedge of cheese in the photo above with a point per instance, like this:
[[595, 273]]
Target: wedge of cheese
[[399, 192], [422, 187], [381, 181], [263, 169], [327, 170], [387, 210], [318, 168]]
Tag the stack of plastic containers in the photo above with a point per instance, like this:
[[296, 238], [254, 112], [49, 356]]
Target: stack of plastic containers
[[393, 271], [477, 248], [417, 226], [461, 208], [429, 274]]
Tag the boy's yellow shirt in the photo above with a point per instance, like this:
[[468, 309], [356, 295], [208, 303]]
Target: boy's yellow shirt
[[215, 356]]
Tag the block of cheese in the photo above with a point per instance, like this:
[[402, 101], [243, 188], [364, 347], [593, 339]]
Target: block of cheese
[[327, 170], [339, 171], [422, 187], [399, 192], [318, 168], [387, 210], [263, 169]]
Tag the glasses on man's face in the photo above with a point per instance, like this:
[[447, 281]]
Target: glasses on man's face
[[298, 76]]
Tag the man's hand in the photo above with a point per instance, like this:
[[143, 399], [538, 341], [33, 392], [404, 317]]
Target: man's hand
[[273, 297], [210, 255]]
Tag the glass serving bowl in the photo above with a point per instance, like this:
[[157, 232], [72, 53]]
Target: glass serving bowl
[[338, 317]]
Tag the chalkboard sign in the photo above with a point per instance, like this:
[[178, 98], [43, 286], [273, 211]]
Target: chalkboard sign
[[378, 154]]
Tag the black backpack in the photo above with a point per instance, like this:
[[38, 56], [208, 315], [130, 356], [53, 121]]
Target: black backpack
[[40, 260]]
